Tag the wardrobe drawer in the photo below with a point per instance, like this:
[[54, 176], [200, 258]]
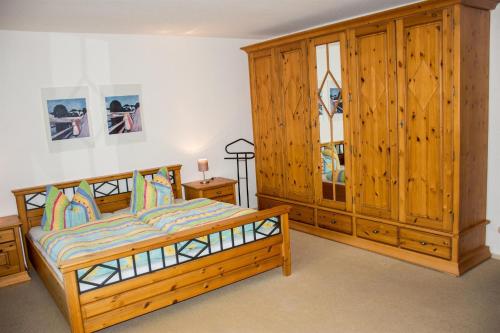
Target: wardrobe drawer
[[265, 203], [302, 214], [379, 232], [297, 212], [6, 235], [334, 221], [423, 242]]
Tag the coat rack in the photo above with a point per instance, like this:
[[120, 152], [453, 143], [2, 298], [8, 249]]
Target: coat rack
[[241, 156]]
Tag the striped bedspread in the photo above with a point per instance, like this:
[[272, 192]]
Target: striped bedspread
[[178, 217], [96, 236], [124, 229]]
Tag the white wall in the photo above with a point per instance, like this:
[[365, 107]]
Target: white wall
[[195, 99], [493, 209]]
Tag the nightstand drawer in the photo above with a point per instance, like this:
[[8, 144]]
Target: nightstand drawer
[[6, 235], [227, 198], [9, 262], [218, 192]]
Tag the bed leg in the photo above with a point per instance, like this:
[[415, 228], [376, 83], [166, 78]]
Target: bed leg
[[285, 247], [73, 301]]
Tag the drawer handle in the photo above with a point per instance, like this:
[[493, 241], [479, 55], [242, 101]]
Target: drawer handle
[[375, 231], [423, 243], [218, 192], [334, 221]]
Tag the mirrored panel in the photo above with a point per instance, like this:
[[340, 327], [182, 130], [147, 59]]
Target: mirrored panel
[[331, 121]]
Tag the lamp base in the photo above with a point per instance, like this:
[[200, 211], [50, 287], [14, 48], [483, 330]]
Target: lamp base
[[205, 180]]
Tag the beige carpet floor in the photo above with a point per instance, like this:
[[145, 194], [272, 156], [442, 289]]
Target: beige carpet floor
[[333, 288]]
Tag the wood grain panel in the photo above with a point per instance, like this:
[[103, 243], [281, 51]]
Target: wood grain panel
[[11, 261], [376, 231], [472, 239], [375, 128], [294, 98], [268, 126], [195, 265], [49, 277], [297, 212], [171, 297], [6, 235], [474, 53], [423, 242], [334, 221], [426, 118], [177, 282]]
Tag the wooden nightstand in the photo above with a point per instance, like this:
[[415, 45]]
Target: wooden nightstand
[[12, 269], [220, 189]]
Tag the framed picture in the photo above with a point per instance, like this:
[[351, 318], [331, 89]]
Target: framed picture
[[336, 100], [66, 113], [123, 110]]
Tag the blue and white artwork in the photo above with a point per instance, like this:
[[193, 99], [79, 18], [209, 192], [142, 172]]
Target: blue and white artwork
[[68, 118], [123, 114], [336, 104]]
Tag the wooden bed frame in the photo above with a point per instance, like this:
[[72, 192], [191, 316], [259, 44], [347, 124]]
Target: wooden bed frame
[[106, 305]]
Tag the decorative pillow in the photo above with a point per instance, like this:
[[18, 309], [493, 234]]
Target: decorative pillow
[[150, 194], [165, 180], [60, 213], [341, 176], [164, 172]]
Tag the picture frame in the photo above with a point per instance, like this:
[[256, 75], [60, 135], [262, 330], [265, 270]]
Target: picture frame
[[66, 114], [122, 106]]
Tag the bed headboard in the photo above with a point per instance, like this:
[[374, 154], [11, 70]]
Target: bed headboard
[[110, 192]]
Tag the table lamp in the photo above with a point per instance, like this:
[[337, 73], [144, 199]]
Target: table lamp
[[202, 167]]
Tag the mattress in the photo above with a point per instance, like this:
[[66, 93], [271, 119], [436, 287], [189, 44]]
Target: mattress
[[182, 216]]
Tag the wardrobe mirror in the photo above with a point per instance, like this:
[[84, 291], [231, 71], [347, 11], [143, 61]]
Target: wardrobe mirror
[[331, 120]]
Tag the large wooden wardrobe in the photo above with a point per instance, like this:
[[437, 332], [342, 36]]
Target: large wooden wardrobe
[[375, 130]]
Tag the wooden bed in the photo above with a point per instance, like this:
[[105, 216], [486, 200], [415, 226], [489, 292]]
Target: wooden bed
[[107, 305]]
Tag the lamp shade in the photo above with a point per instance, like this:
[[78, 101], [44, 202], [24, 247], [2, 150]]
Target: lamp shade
[[202, 164]]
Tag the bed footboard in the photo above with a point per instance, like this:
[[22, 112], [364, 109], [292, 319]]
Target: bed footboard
[[263, 244]]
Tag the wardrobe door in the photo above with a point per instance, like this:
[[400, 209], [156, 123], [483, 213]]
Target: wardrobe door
[[330, 120], [425, 57], [293, 99], [267, 125], [373, 87]]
